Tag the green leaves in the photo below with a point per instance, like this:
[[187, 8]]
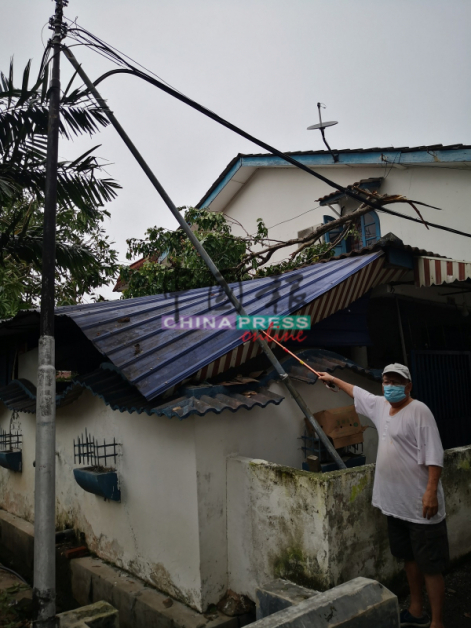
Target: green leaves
[[85, 258], [170, 263], [23, 141]]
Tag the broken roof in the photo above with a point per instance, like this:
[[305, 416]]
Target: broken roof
[[154, 359], [242, 393]]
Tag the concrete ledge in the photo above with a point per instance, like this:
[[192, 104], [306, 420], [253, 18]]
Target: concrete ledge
[[17, 544], [360, 603], [99, 615], [139, 606], [278, 595], [91, 580]]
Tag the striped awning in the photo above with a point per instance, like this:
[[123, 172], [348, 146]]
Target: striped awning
[[435, 271]]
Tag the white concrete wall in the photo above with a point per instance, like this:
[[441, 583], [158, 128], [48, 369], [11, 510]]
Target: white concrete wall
[[153, 532], [170, 528], [319, 530], [279, 194], [272, 433]]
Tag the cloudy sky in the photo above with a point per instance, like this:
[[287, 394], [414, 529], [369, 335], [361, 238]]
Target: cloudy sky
[[392, 72]]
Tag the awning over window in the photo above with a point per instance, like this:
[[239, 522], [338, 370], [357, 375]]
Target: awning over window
[[435, 271]]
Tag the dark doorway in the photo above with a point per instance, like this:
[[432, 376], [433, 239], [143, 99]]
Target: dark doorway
[[442, 380]]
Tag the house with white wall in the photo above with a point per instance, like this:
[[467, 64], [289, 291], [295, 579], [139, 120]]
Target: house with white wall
[[290, 201], [209, 452]]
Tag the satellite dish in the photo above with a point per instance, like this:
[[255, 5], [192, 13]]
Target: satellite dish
[[321, 126]]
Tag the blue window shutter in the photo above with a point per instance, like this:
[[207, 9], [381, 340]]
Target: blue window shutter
[[370, 229], [331, 236]]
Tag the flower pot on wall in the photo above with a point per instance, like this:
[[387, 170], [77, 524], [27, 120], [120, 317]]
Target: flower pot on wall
[[99, 482], [11, 460]]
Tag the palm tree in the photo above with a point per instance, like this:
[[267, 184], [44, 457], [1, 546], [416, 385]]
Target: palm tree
[[84, 253]]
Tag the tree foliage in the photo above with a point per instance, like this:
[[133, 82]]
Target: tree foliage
[[85, 258], [171, 263]]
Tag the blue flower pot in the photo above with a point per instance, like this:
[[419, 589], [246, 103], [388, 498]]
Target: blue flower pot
[[102, 483], [11, 460]]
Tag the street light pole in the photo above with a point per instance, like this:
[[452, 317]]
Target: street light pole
[[44, 589]]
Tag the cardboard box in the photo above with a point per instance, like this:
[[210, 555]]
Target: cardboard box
[[341, 425]]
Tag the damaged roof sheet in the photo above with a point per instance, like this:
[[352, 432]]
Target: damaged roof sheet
[[244, 393], [320, 360], [117, 393], [129, 332]]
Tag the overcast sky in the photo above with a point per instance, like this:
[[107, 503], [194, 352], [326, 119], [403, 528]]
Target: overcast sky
[[392, 72]]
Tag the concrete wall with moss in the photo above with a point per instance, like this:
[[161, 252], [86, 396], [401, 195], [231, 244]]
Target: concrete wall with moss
[[320, 530]]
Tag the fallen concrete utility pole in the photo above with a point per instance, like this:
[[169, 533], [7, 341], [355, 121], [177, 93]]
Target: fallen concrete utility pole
[[44, 591], [208, 261]]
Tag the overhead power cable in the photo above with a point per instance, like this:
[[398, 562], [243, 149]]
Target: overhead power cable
[[94, 42]]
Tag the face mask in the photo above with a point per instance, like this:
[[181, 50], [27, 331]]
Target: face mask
[[394, 393]]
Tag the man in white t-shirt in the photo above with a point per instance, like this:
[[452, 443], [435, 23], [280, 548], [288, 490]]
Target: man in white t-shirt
[[407, 487]]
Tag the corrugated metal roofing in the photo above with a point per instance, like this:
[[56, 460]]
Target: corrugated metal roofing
[[117, 393], [319, 360], [246, 393], [129, 332], [153, 359], [326, 304], [182, 407], [387, 241], [20, 394]]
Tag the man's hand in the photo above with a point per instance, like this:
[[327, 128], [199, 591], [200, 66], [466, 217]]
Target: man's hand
[[330, 379], [326, 377], [429, 503]]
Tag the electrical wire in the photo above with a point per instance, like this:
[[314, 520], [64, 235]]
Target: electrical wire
[[123, 54], [294, 217], [94, 42]]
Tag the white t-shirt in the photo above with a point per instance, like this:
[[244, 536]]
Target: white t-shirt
[[407, 443]]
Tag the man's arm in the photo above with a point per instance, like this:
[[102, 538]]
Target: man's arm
[[327, 377], [430, 499]]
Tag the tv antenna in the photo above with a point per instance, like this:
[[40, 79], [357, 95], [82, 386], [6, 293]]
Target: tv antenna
[[321, 126]]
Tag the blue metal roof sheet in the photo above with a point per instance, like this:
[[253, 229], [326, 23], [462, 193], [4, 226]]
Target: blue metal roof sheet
[[117, 393], [20, 395], [319, 360], [129, 331], [109, 385]]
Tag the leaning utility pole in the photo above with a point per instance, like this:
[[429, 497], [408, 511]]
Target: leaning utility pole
[[44, 591], [284, 377]]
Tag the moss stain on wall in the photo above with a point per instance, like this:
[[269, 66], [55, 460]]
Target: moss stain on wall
[[294, 565], [359, 488], [464, 465]]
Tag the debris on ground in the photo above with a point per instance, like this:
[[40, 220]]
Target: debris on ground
[[233, 604], [15, 602]]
